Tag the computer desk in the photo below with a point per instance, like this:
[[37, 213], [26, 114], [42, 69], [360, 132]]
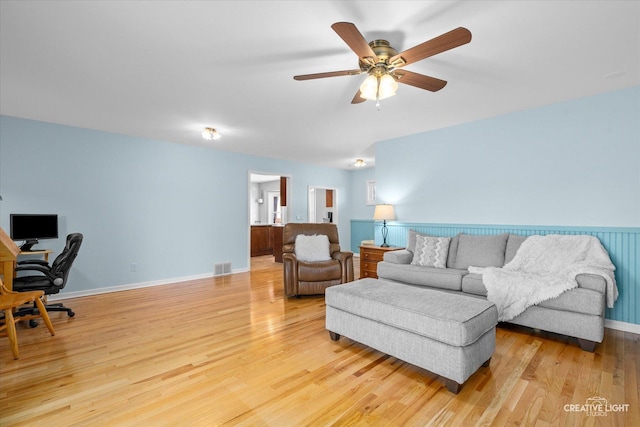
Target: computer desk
[[44, 252]]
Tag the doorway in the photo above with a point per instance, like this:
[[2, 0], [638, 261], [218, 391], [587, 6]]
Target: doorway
[[269, 206], [323, 206], [274, 210]]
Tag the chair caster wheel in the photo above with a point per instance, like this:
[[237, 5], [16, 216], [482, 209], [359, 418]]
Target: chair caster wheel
[[33, 323], [71, 314]]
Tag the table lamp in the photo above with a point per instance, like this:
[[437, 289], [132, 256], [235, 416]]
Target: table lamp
[[384, 213]]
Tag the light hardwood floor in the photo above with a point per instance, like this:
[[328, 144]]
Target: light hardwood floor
[[234, 351]]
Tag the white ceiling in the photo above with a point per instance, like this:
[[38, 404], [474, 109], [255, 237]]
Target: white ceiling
[[164, 70]]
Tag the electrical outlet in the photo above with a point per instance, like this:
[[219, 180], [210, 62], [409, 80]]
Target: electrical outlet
[[134, 266]]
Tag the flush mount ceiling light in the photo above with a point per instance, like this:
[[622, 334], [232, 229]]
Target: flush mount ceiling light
[[210, 134], [360, 163]]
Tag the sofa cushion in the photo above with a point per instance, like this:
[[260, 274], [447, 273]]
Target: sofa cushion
[[472, 284], [579, 300], [453, 250], [312, 248], [480, 251], [319, 271], [431, 251], [443, 278], [411, 239], [513, 244]]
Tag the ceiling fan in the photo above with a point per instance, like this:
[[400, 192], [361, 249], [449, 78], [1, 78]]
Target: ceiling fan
[[383, 63]]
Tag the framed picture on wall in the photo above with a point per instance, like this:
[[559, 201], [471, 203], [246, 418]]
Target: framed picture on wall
[[371, 192]]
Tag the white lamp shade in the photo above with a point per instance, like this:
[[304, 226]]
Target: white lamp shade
[[388, 87], [384, 212], [378, 87], [369, 88]]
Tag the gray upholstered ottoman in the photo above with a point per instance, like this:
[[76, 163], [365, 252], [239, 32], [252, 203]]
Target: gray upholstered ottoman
[[449, 334]]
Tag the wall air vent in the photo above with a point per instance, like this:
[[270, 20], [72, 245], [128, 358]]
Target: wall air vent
[[221, 269]]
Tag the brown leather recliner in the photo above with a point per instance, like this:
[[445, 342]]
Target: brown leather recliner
[[312, 278]]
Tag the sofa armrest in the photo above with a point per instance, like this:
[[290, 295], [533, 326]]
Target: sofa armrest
[[592, 281], [402, 256]]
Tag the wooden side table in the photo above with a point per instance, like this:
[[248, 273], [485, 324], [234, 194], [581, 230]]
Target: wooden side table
[[370, 256]]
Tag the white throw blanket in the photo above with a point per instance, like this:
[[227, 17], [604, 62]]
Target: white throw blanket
[[543, 268]]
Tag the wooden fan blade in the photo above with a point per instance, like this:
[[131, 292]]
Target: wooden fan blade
[[419, 80], [329, 74], [446, 41], [354, 39], [357, 99]]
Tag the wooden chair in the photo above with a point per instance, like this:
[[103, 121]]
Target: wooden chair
[[10, 300]]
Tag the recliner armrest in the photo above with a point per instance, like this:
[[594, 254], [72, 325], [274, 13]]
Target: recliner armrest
[[290, 264], [341, 256], [346, 262], [402, 256]]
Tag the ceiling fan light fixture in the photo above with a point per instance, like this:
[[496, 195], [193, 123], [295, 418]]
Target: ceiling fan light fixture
[[359, 163], [211, 134], [387, 86], [369, 88], [378, 86]]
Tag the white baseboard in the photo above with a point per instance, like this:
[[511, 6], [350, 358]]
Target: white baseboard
[[130, 286], [622, 326]]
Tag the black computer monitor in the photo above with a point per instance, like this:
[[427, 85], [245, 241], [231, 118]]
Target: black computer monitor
[[33, 227]]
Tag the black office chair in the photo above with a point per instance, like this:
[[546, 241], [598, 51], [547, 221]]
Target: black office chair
[[52, 278]]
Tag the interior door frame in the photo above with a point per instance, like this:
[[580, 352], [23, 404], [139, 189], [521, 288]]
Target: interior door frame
[[310, 214], [286, 215]]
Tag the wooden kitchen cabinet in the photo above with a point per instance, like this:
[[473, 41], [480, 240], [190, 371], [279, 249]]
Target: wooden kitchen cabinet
[[261, 240], [277, 238]]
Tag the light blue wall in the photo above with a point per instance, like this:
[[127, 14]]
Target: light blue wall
[[173, 209], [575, 163], [572, 167], [361, 230], [359, 207]]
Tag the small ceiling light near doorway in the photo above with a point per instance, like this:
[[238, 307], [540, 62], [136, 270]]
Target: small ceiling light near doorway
[[360, 163], [210, 134]]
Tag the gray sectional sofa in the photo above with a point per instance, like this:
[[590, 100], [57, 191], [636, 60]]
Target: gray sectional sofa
[[578, 312]]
